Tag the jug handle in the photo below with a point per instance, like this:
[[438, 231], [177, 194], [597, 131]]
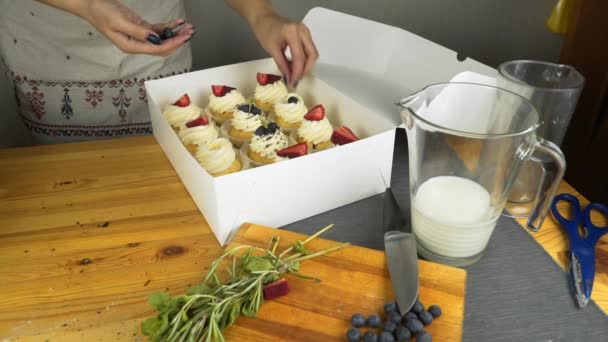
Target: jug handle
[[546, 154]]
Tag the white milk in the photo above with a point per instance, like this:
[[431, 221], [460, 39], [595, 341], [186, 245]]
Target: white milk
[[452, 216]]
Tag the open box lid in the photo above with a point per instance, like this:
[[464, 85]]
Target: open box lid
[[376, 64]]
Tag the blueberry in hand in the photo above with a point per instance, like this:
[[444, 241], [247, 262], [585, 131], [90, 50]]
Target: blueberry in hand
[[389, 327], [414, 325], [370, 336], [394, 317], [386, 337], [425, 317], [357, 320], [353, 335], [374, 321], [402, 334], [292, 99], [390, 307], [435, 310], [418, 307], [423, 336], [166, 34], [408, 316]]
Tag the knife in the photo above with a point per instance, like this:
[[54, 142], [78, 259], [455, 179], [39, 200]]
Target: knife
[[401, 253]]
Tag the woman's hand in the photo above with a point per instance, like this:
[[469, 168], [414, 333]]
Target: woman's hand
[[127, 30], [276, 33]]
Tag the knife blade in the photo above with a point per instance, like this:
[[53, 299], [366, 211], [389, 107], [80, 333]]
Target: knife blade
[[401, 253]]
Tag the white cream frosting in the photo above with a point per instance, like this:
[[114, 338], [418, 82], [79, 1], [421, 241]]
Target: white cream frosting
[[291, 112], [246, 122], [198, 134], [315, 132], [176, 115], [216, 155], [268, 145], [270, 93], [226, 103]]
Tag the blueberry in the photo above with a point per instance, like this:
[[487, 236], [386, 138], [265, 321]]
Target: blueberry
[[243, 108], [408, 316], [353, 335], [260, 131], [292, 99], [425, 317], [386, 337], [418, 307], [394, 317], [166, 34], [402, 334], [390, 307], [370, 336], [272, 127], [435, 310], [255, 110], [414, 325], [423, 336], [374, 321], [389, 327], [357, 320]]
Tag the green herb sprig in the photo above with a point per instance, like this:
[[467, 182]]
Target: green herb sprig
[[215, 304]]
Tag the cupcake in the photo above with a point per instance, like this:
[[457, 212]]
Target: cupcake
[[289, 111], [315, 130], [267, 141], [181, 112], [269, 90], [218, 157], [246, 118], [197, 132], [222, 102]]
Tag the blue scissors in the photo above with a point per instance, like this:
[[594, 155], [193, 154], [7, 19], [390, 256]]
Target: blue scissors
[[582, 247]]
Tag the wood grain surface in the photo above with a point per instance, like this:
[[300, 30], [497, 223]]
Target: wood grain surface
[[89, 230], [555, 241]]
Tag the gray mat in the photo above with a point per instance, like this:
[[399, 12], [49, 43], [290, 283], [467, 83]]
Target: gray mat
[[516, 292]]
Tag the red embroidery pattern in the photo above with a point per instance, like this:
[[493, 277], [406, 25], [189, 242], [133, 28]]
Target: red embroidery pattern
[[37, 102], [93, 97], [142, 91], [139, 128], [121, 101]]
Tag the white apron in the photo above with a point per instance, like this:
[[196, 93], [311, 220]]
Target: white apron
[[72, 83]]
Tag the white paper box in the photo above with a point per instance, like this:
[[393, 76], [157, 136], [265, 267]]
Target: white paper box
[[292, 190]]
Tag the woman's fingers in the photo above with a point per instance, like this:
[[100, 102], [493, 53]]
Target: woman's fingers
[[130, 45], [159, 28]]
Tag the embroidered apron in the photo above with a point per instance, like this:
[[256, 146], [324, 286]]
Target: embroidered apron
[[72, 83]]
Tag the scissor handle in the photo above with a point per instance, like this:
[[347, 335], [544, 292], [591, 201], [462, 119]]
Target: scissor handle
[[594, 232], [576, 211]]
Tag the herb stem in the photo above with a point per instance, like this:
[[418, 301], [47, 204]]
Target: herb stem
[[310, 238]]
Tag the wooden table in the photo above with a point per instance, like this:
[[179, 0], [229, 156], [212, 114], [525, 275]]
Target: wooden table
[[76, 218]]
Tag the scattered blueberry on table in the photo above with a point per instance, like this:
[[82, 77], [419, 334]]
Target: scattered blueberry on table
[[425, 317], [374, 321], [397, 326], [370, 336], [423, 336], [386, 337], [357, 320], [353, 335], [394, 317], [435, 310]]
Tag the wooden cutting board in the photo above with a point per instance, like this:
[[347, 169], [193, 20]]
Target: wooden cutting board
[[353, 280]]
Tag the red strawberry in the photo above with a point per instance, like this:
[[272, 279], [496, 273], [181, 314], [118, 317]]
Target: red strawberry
[[294, 151], [343, 136], [183, 101], [276, 289], [317, 113], [264, 79], [221, 90], [200, 121]]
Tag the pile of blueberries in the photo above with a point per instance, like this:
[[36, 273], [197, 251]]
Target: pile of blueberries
[[396, 327]]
